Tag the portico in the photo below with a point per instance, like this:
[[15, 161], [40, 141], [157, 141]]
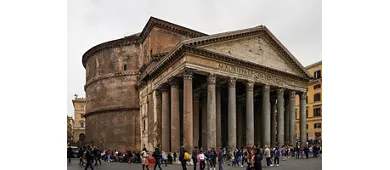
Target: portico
[[228, 89]]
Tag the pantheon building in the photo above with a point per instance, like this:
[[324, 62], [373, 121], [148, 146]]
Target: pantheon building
[[170, 86]]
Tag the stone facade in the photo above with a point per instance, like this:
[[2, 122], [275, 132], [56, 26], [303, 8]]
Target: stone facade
[[163, 86]]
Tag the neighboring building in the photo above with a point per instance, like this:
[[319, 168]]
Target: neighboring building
[[79, 105], [70, 123], [314, 103], [169, 85]]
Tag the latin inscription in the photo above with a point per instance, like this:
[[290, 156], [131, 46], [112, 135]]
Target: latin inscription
[[251, 73]]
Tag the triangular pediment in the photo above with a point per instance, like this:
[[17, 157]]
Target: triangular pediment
[[256, 45], [255, 49]]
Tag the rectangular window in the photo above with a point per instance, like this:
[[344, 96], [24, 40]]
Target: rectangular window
[[82, 124], [307, 112], [317, 97], [317, 74], [307, 126], [296, 114], [317, 125], [82, 107], [307, 99], [317, 86], [317, 112], [144, 125], [318, 134], [124, 67]]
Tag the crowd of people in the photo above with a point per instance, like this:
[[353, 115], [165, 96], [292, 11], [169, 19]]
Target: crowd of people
[[250, 157]]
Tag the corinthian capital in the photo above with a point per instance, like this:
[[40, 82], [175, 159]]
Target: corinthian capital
[[232, 82], [212, 79], [173, 81], [292, 94], [163, 87], [280, 91], [188, 73], [303, 95], [266, 88], [249, 85]]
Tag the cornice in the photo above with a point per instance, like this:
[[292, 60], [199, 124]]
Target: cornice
[[313, 65], [111, 75], [126, 41], [315, 81], [109, 109], [155, 22], [153, 58]]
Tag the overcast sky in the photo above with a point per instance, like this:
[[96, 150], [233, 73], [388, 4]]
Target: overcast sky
[[296, 23]]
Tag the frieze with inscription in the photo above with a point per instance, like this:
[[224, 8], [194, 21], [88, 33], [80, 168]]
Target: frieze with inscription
[[255, 74]]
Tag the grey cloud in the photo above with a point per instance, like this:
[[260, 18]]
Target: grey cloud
[[296, 23]]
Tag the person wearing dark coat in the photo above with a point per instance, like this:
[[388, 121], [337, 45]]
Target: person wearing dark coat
[[80, 155], [89, 158], [194, 156], [157, 156], [220, 159], [306, 150], [258, 159], [69, 153], [181, 158]]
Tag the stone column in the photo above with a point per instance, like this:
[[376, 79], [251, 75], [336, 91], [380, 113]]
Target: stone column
[[287, 119], [165, 126], [239, 124], [204, 120], [196, 119], [273, 122], [175, 117], [218, 112], [280, 118], [250, 129], [266, 138], [188, 127], [211, 109], [302, 117], [232, 115], [293, 132]]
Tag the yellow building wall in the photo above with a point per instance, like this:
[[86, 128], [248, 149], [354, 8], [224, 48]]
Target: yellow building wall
[[311, 120], [78, 117]]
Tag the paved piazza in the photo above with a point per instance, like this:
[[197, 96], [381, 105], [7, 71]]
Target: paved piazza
[[291, 164]]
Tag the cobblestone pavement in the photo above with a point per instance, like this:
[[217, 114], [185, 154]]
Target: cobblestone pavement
[[290, 164]]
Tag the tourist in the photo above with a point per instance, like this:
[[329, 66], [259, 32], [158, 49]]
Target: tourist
[[97, 155], [108, 153], [258, 157], [267, 154], [174, 157], [306, 150], [89, 158], [157, 156], [144, 159], [277, 155], [80, 155], [69, 153], [297, 150], [129, 156], [213, 159], [283, 151], [202, 160], [164, 158], [181, 158], [194, 156], [245, 155], [220, 158]]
